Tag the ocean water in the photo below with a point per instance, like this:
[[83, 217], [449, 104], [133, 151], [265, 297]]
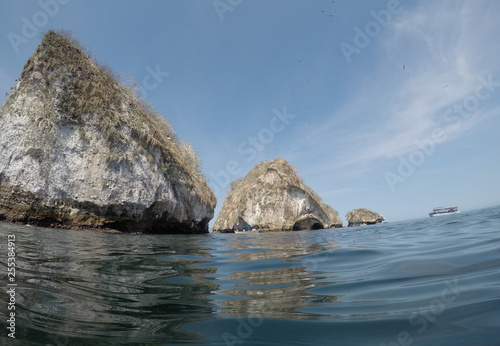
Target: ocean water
[[431, 281]]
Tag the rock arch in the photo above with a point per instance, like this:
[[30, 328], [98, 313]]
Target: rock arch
[[307, 223]]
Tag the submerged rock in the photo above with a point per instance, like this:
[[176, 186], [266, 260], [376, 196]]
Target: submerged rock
[[363, 216], [272, 197], [80, 150]]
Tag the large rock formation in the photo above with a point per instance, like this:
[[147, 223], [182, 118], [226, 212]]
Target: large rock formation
[[363, 216], [80, 150], [272, 197]]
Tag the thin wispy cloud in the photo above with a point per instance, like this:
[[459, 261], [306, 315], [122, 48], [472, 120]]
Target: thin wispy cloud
[[443, 65]]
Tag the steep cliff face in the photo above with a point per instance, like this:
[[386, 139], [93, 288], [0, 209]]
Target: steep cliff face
[[80, 150], [272, 197], [363, 216]]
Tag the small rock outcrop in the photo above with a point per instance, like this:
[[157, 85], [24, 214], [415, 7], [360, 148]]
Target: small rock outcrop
[[80, 150], [272, 197], [363, 216]]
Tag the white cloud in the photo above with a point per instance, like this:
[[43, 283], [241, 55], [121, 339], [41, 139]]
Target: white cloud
[[446, 48]]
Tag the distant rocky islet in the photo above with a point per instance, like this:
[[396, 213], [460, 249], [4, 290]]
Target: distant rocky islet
[[80, 150], [272, 197], [363, 217]]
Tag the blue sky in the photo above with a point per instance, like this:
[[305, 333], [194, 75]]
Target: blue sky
[[389, 105]]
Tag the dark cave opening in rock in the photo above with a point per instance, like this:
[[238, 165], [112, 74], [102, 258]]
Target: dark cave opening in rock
[[317, 226], [307, 224]]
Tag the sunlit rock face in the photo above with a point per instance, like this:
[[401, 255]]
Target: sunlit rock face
[[363, 216], [272, 197], [80, 150]]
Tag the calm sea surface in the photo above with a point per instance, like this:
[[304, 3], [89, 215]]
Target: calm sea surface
[[432, 281]]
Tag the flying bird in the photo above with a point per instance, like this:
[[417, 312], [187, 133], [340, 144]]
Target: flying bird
[[404, 66]]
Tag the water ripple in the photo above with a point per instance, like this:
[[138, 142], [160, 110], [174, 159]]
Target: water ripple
[[431, 281]]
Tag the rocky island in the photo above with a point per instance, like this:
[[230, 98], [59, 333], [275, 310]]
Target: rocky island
[[80, 150], [272, 197], [363, 216]]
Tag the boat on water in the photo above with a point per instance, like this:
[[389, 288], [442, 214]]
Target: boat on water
[[443, 211], [246, 229], [241, 226]]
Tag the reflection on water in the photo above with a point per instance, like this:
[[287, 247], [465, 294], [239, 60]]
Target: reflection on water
[[270, 279], [435, 280], [78, 286]]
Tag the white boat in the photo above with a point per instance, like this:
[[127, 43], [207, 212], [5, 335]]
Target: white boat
[[443, 211], [246, 229]]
